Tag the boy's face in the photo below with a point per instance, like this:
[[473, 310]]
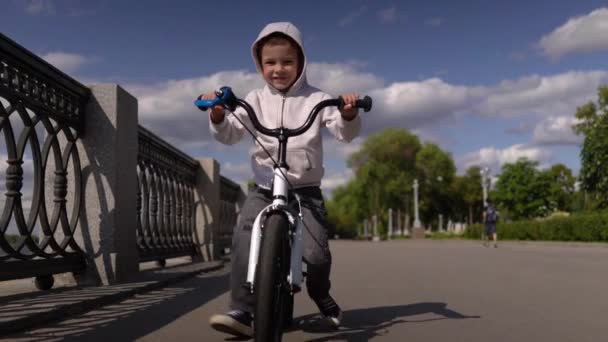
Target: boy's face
[[280, 63]]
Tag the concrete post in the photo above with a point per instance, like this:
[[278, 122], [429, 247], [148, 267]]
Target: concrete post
[[376, 237], [418, 231], [390, 223], [207, 209], [417, 223], [399, 223], [108, 156]]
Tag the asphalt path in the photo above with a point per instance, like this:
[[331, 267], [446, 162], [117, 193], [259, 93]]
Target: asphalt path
[[407, 290]]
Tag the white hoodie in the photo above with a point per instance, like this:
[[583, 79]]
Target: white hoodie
[[304, 152]]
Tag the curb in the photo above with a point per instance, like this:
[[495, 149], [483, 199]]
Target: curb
[[121, 292]]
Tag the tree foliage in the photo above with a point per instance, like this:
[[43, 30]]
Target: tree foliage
[[593, 124], [527, 192], [466, 194], [385, 168]]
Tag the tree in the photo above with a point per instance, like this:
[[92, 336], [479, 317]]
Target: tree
[[435, 172], [344, 211], [523, 190], [467, 194], [385, 168], [561, 186], [593, 124]]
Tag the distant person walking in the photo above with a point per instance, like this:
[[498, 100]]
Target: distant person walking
[[490, 216]]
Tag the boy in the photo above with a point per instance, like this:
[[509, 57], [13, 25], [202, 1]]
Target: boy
[[490, 216], [286, 99]]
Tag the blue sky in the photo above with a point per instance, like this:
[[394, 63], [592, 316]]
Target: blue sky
[[488, 81]]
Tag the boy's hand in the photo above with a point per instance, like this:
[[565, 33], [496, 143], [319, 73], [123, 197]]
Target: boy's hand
[[349, 111], [217, 112]]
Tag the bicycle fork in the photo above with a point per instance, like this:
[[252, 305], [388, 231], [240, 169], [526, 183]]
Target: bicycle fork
[[296, 269]]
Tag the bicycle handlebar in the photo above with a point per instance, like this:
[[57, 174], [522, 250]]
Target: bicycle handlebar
[[226, 98]]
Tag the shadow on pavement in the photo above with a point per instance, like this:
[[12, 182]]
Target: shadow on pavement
[[364, 324], [135, 317]]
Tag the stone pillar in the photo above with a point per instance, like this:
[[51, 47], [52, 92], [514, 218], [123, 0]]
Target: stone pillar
[[376, 237], [399, 223], [417, 223], [440, 223], [390, 223], [207, 209], [366, 228], [418, 231], [107, 150]]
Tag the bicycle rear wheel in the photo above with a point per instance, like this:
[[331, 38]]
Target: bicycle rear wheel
[[274, 302]]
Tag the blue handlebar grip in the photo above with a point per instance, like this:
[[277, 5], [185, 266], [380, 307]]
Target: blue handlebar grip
[[205, 104]]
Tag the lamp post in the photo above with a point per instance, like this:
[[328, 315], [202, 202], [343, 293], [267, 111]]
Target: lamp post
[[418, 231], [439, 206], [485, 184], [417, 223]]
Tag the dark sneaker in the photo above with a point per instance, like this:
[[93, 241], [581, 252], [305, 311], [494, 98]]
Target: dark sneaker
[[330, 309], [236, 322]]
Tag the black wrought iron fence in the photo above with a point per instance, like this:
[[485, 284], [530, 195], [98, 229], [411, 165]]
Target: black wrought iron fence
[[41, 118], [229, 197], [165, 205]]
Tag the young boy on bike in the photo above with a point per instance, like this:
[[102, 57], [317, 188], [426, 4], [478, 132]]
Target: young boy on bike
[[286, 99]]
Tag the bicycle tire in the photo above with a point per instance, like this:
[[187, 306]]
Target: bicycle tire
[[272, 294]]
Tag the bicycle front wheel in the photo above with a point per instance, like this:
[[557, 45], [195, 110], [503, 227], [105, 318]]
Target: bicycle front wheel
[[272, 294]]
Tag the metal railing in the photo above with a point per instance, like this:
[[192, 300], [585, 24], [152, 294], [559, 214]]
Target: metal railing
[[41, 126], [41, 113], [165, 199], [229, 195]]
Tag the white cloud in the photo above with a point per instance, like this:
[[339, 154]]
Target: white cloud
[[579, 34], [36, 7], [237, 172], [338, 79], [66, 62], [557, 130], [542, 95], [495, 158], [417, 103], [388, 15], [334, 149], [167, 108], [333, 180], [352, 16]]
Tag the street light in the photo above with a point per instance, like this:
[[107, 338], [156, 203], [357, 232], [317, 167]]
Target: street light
[[485, 184]]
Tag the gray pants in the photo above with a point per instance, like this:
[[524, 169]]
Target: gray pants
[[315, 252]]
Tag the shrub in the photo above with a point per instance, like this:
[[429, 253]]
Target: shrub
[[589, 227]]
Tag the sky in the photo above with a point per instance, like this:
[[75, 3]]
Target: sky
[[487, 81]]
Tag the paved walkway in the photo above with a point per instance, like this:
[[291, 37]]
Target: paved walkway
[[392, 291]]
